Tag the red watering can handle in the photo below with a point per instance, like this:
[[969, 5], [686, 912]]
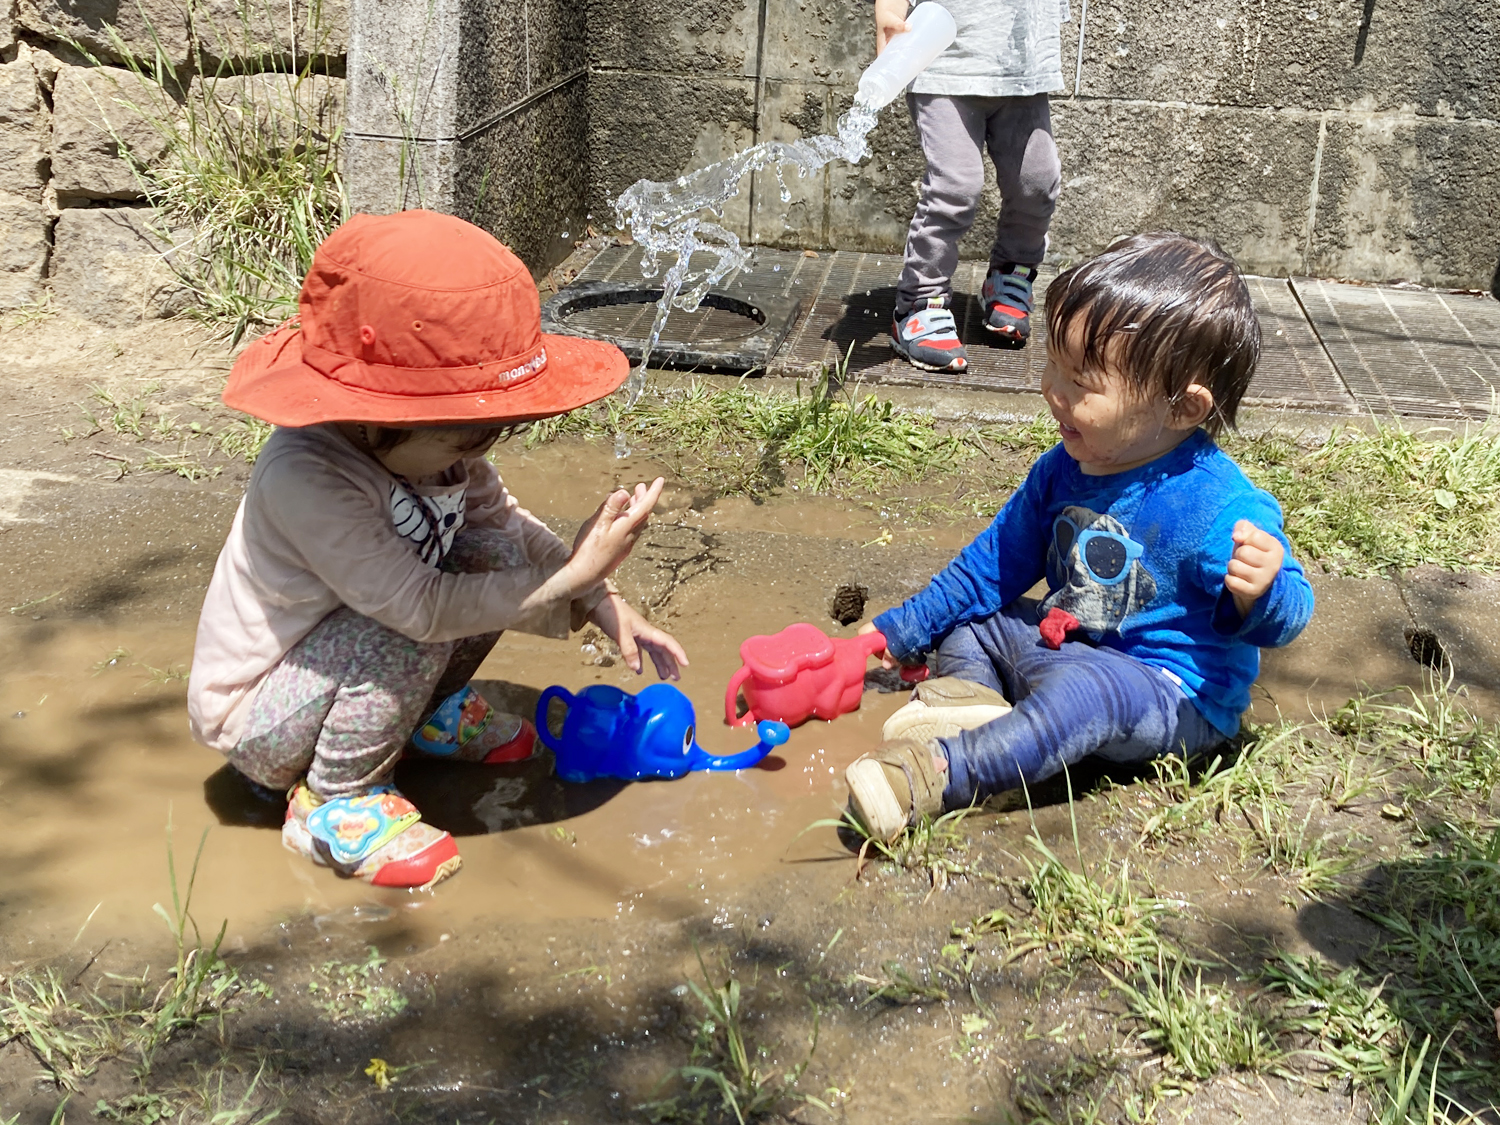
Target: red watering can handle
[[731, 698]]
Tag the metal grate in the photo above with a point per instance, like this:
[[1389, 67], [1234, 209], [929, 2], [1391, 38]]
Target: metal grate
[[739, 327], [1409, 351]]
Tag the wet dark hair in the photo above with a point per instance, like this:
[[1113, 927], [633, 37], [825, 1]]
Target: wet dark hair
[[383, 439], [1177, 310]]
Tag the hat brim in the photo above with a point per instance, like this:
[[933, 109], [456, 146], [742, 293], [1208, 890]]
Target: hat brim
[[288, 392]]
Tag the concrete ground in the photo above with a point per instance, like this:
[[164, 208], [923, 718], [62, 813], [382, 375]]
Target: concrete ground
[[1338, 349]]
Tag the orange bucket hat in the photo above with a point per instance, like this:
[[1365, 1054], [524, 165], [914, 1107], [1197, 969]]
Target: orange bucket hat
[[418, 318]]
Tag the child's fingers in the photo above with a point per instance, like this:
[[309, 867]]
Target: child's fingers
[[1251, 556], [1245, 588], [666, 663], [630, 652]]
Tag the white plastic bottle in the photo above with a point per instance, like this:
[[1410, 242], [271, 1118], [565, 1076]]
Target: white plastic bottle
[[929, 30]]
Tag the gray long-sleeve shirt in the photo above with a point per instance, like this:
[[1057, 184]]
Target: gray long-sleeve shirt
[[1004, 48]]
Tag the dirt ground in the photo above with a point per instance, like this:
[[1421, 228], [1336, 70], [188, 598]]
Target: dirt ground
[[551, 980]]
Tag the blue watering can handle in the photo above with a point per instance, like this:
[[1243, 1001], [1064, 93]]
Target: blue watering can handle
[[543, 731]]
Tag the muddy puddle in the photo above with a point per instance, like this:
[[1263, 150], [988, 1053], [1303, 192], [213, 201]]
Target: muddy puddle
[[96, 761]]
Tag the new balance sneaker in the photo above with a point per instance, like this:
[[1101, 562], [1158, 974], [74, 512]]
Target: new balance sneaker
[[894, 785], [378, 836], [465, 728], [1007, 302], [927, 337], [944, 706]]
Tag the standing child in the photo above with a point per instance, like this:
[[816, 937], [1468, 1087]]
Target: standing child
[[1167, 571], [376, 556], [986, 92]]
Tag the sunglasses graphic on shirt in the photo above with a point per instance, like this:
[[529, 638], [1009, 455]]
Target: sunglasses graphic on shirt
[[1106, 555]]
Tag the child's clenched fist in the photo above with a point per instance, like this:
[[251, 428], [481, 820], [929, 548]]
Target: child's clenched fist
[[1253, 566]]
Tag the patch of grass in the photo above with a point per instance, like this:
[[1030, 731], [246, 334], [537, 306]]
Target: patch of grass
[[69, 1031], [136, 1109], [1432, 730], [1295, 849], [1187, 798], [1356, 1030], [1079, 1092], [742, 441], [726, 1066], [243, 439], [183, 464], [1440, 917], [1092, 914], [1202, 1028], [1366, 503], [354, 990], [935, 846]]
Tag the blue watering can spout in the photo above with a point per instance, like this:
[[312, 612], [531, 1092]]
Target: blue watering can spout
[[772, 734]]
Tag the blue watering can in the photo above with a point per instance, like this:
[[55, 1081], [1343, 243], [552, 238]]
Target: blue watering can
[[611, 733]]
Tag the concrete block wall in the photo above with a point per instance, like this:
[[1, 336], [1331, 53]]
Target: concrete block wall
[[474, 107], [1346, 138], [73, 218]]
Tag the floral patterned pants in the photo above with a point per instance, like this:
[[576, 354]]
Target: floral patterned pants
[[343, 702]]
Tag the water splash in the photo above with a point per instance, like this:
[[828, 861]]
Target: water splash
[[666, 219]]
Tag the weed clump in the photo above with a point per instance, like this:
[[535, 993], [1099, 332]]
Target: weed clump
[[346, 991], [245, 184], [726, 1066]]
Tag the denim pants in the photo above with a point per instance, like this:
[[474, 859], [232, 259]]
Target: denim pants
[[1068, 704]]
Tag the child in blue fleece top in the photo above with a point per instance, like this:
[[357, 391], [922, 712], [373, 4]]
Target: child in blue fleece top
[[1166, 569]]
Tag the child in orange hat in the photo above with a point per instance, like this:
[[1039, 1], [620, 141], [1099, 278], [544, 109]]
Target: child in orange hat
[[376, 556]]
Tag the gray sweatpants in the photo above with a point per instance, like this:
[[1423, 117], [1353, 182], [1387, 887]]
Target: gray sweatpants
[[955, 133]]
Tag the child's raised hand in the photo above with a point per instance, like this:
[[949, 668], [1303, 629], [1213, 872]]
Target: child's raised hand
[[890, 19], [632, 632], [606, 537], [1253, 567]]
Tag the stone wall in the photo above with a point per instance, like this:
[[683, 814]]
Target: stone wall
[[74, 100], [1347, 138]]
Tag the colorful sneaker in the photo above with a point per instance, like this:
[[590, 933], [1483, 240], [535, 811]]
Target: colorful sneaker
[[944, 706], [927, 337], [1007, 302], [378, 836], [466, 728], [890, 788]]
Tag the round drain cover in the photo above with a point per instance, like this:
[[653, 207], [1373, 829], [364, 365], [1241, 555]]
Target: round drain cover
[[632, 320]]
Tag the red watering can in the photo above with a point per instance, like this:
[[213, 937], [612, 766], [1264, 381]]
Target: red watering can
[[801, 673]]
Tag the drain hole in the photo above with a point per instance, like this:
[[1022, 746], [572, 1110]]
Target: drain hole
[[848, 604], [1425, 648]]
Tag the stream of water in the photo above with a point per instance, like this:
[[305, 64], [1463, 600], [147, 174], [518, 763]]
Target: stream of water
[[667, 220]]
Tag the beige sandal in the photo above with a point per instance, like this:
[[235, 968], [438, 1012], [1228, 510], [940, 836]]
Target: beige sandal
[[893, 785], [942, 707]]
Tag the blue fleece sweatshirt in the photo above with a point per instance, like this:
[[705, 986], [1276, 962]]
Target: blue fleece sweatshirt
[[1139, 559]]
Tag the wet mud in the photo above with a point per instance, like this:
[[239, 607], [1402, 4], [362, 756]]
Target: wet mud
[[549, 981]]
